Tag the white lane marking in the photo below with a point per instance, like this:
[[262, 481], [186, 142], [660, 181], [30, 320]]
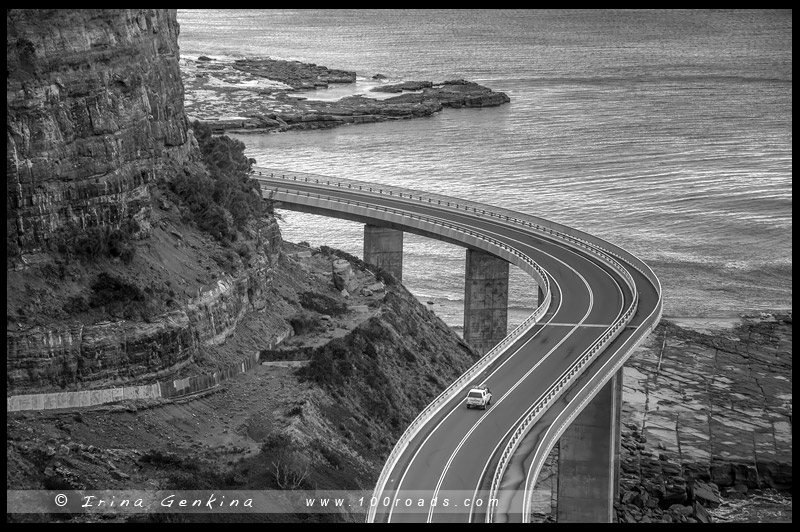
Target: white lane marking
[[555, 244], [575, 327], [458, 404], [602, 326]]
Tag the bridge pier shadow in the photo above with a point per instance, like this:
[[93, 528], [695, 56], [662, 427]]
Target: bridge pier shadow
[[383, 247], [588, 463], [485, 300]]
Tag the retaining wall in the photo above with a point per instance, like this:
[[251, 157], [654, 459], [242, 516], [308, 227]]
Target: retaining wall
[[166, 389]]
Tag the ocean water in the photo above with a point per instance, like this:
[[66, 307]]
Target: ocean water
[[666, 132]]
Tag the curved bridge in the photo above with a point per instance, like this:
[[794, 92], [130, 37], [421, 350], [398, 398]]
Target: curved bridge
[[555, 377]]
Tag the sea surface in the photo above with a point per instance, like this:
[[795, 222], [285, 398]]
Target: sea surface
[[666, 132]]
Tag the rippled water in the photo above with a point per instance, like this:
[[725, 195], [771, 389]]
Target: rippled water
[[668, 133]]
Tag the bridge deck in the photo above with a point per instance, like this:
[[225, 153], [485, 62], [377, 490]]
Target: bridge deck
[[601, 303]]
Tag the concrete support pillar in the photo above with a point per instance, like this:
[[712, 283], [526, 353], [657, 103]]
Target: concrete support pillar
[[588, 463], [383, 247], [485, 300]]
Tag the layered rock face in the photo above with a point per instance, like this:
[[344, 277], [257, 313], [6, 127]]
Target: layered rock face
[[79, 355], [94, 115], [94, 109]]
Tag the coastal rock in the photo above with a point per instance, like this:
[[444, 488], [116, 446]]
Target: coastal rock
[[673, 383], [700, 513], [674, 492], [717, 405], [233, 97], [95, 114], [460, 93], [86, 139], [705, 494], [296, 74], [343, 277], [405, 86]]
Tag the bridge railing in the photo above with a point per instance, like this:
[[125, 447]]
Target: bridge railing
[[594, 245], [551, 395], [461, 383], [587, 242], [598, 381]]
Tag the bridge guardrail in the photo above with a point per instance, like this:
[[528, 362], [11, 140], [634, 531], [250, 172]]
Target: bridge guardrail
[[552, 394], [635, 340], [551, 229], [459, 384], [575, 237]]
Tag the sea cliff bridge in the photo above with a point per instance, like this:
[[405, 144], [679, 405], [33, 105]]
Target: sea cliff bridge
[[556, 377]]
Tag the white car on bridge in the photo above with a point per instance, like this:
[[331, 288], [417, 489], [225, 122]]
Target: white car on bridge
[[479, 397]]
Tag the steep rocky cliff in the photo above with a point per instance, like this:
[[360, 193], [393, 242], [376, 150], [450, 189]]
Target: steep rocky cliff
[[94, 108], [96, 132]]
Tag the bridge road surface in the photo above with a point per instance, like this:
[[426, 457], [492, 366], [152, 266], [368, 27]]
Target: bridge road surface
[[453, 456], [540, 440]]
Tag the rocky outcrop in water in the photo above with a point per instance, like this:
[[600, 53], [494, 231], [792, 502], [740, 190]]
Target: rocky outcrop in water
[[455, 93], [295, 74], [262, 95], [405, 86]]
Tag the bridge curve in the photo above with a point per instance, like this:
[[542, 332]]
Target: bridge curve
[[600, 302]]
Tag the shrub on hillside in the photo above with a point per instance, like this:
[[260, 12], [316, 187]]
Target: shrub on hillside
[[226, 198], [322, 304], [113, 290], [75, 305], [304, 323], [93, 243], [287, 462]]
